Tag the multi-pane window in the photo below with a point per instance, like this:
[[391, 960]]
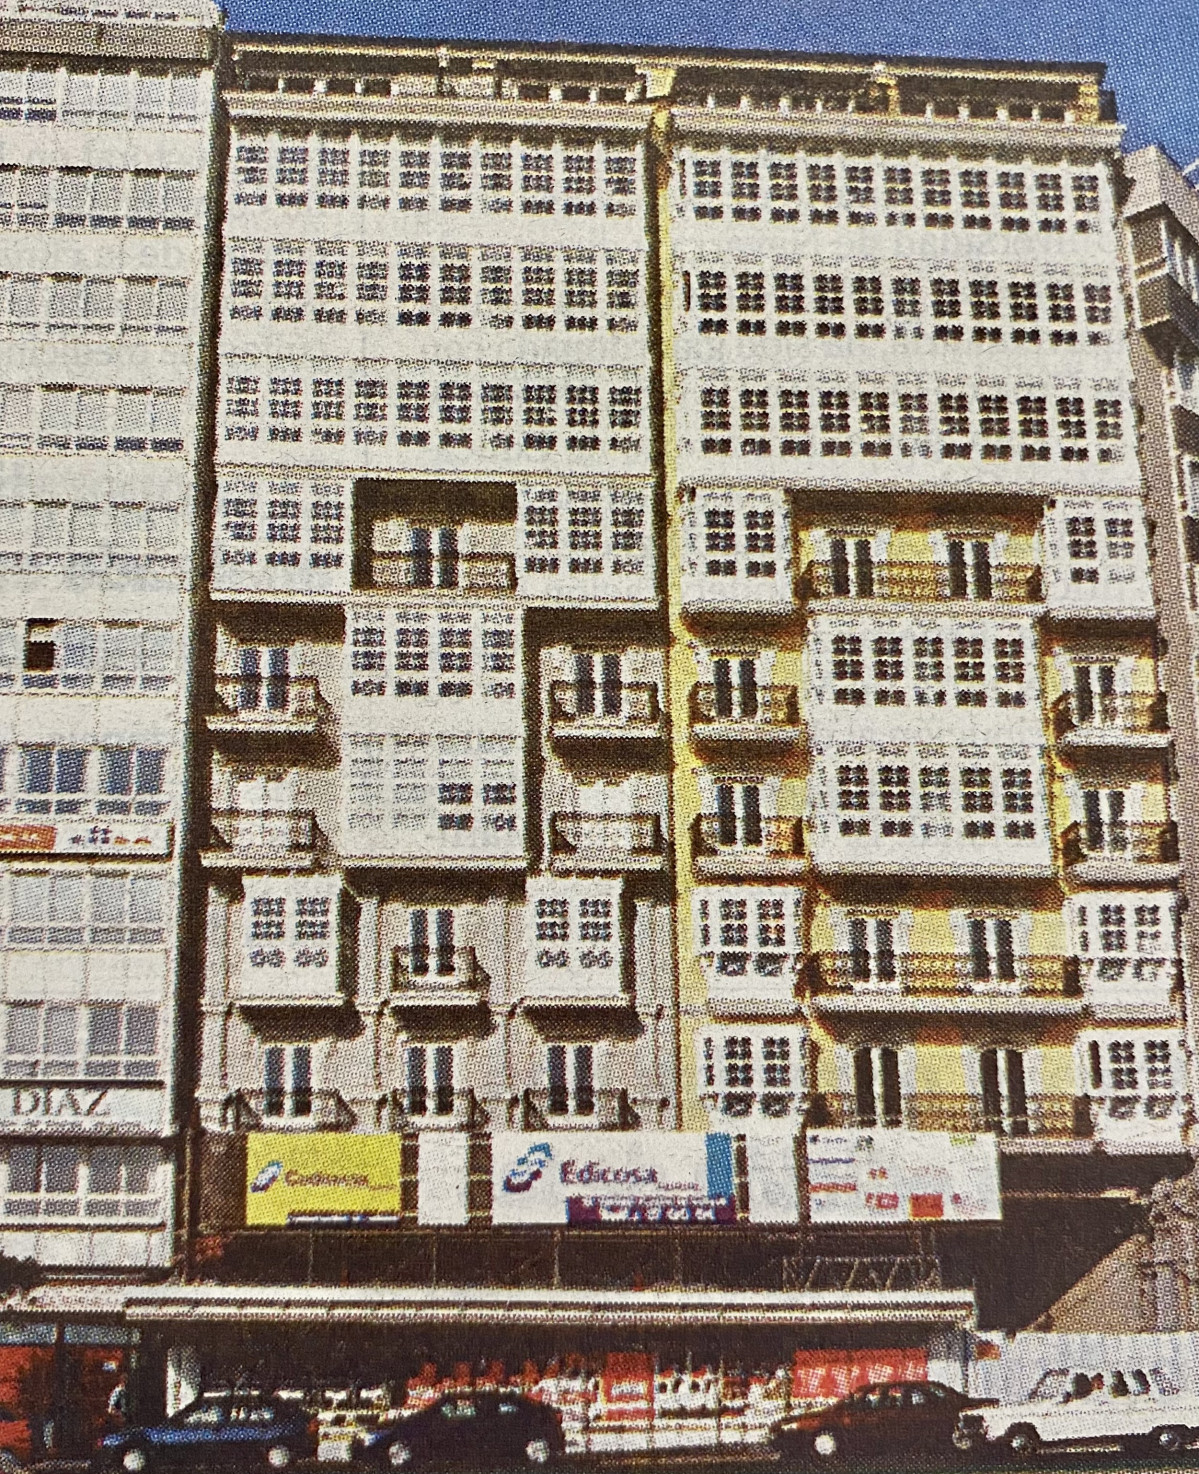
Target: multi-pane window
[[752, 1072], [86, 655], [287, 1082], [92, 1041], [570, 1080], [573, 935], [64, 908], [290, 929], [1125, 938], [76, 1183], [1135, 1077], [35, 197], [429, 1080], [750, 932], [62, 779]]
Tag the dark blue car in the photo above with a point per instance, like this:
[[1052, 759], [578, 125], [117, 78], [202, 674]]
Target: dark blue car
[[479, 1430], [228, 1430]]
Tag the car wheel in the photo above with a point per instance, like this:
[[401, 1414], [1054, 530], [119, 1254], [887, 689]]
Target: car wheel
[[135, 1460], [1168, 1440], [537, 1450], [9, 1463], [1022, 1441], [278, 1456], [826, 1444], [964, 1442], [399, 1454]]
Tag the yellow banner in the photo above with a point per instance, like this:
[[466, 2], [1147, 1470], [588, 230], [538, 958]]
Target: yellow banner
[[320, 1176]]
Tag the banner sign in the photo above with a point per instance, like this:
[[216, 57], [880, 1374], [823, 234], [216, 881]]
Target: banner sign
[[86, 838], [321, 1177], [826, 1376], [898, 1176], [594, 1177], [46, 1107]]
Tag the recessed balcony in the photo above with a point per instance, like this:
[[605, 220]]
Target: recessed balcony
[[1037, 1123], [922, 583], [462, 573], [286, 1110], [1115, 851], [258, 705], [759, 714], [723, 849], [582, 843], [863, 983], [588, 712], [436, 980], [1114, 719], [273, 839]]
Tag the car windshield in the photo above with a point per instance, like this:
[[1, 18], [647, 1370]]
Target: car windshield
[[205, 1415], [1051, 1387]]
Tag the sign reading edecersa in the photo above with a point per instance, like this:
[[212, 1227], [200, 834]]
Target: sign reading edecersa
[[111, 837], [898, 1176], [598, 1177]]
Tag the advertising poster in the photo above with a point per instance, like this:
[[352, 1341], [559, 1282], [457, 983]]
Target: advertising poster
[[603, 1177], [321, 1178], [897, 1176], [824, 1376], [627, 1386]]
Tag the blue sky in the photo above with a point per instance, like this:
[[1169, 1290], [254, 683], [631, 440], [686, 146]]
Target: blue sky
[[1151, 46]]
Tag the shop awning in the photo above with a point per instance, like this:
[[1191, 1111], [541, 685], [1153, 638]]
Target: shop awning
[[448, 1306]]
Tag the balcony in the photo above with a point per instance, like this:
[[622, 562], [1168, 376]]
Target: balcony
[[855, 983], [466, 573], [1131, 987], [1168, 316], [1115, 719], [769, 984], [602, 1109], [765, 714], [631, 711], [264, 989], [1043, 1122], [586, 843], [436, 979], [724, 851], [435, 1108], [286, 1110], [1139, 852], [277, 839], [921, 583], [265, 704]]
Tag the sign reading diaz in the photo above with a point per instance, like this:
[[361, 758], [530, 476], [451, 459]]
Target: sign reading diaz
[[612, 1177]]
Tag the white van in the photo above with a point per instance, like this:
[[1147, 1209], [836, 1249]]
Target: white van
[[1137, 1408]]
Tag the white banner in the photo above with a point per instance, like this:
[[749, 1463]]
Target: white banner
[[40, 1108], [898, 1176], [82, 837], [612, 1177]]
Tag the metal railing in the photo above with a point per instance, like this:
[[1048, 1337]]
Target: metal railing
[[1138, 713], [282, 1110], [763, 706], [1007, 583], [631, 704], [276, 831], [471, 573], [430, 1107], [614, 837], [886, 1272], [1061, 1116], [261, 700], [602, 1108], [948, 975], [1144, 842], [776, 835], [432, 970]]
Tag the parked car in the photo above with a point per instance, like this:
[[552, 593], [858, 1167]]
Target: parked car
[[894, 1418], [483, 1429], [228, 1430], [1144, 1410], [16, 1441]]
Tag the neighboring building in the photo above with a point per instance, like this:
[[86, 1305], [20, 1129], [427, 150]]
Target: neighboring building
[[679, 660], [106, 134]]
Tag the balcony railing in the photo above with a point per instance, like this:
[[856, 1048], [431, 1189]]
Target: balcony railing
[[933, 977], [605, 841], [469, 573], [1055, 1116], [429, 1108], [435, 975], [775, 836], [631, 709], [1134, 841], [278, 835], [1107, 717], [763, 712], [286, 1110], [264, 703], [601, 1109], [922, 583]]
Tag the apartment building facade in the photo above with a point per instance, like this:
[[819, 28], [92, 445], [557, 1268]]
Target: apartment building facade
[[678, 688], [107, 120]]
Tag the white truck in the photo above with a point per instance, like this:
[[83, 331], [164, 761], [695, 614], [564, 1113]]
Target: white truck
[[1141, 1409]]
